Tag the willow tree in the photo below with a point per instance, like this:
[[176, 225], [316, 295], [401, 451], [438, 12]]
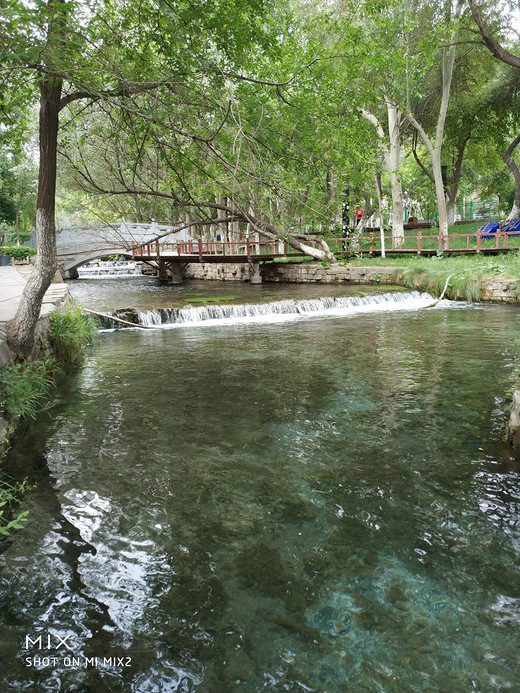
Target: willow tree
[[260, 148], [75, 52]]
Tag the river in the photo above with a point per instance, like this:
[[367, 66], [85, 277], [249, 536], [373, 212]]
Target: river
[[298, 503]]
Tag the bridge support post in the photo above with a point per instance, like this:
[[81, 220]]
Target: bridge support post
[[163, 272], [70, 273], [170, 272], [177, 272], [254, 273]]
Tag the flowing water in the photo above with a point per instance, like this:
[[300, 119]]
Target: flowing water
[[313, 504]]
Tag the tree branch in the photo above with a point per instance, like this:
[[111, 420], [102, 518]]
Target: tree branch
[[416, 157]]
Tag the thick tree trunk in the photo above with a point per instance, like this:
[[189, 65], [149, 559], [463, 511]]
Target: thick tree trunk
[[448, 61], [322, 255], [393, 165], [271, 232], [392, 159], [507, 158], [21, 329], [379, 188], [439, 190]]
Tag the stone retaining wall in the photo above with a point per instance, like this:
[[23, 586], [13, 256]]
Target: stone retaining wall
[[293, 273], [506, 290], [218, 271]]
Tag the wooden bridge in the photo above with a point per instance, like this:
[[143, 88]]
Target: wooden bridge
[[171, 258]]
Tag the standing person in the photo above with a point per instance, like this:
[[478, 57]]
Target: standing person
[[359, 214]]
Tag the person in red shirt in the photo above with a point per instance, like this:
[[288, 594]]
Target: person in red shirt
[[359, 214]]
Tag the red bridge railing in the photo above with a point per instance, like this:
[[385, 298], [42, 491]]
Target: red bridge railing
[[199, 248]]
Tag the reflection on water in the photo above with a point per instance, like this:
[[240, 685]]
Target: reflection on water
[[313, 506]]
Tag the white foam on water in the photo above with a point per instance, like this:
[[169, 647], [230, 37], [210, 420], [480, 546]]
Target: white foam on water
[[283, 311]]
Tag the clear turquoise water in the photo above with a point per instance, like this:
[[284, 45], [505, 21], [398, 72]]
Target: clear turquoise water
[[323, 505]]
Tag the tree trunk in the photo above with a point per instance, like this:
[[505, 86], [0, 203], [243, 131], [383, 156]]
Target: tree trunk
[[448, 61], [391, 156], [316, 253], [435, 149], [435, 155], [507, 158], [453, 191], [393, 165], [271, 232], [21, 329], [494, 46], [17, 222], [379, 188]]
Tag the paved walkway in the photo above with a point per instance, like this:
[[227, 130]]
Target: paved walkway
[[12, 282]]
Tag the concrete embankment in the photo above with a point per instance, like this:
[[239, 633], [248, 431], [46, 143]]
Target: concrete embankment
[[12, 283]]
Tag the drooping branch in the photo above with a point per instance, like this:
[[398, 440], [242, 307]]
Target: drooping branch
[[493, 45], [124, 91]]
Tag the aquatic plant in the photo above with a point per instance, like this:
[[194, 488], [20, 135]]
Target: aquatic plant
[[17, 523], [25, 386], [11, 494], [71, 331]]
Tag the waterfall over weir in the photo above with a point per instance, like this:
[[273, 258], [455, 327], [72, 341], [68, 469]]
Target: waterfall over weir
[[109, 269], [277, 311]]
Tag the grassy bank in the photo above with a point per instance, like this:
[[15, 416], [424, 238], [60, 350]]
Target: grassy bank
[[469, 273], [26, 386], [27, 389]]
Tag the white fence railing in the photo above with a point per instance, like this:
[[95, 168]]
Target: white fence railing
[[122, 235]]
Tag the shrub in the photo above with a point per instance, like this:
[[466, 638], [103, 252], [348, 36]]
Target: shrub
[[71, 332], [18, 252]]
